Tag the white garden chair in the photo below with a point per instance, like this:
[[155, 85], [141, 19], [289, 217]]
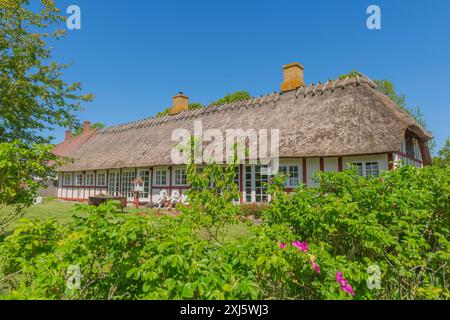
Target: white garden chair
[[176, 197], [163, 198]]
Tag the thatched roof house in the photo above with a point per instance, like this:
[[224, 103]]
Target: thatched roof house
[[321, 127]]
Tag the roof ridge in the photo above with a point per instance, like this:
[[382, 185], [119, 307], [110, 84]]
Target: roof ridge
[[312, 89]]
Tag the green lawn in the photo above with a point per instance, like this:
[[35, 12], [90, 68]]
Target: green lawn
[[62, 211]]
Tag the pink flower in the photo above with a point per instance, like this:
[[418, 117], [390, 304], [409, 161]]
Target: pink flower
[[345, 286], [282, 245], [314, 265], [303, 246]]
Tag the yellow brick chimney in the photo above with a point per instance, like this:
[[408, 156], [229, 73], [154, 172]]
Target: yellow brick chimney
[[180, 103], [293, 77]]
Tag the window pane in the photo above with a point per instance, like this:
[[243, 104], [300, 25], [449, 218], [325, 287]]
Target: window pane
[[145, 177], [127, 183], [372, 169]]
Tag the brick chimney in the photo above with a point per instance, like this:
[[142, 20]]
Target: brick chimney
[[180, 103], [68, 135], [86, 126], [293, 77]]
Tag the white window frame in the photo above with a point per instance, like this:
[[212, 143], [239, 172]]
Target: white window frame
[[97, 180], [146, 183], [126, 183], [371, 164], [113, 186], [288, 181], [77, 182], [179, 176], [253, 194], [64, 176], [364, 165], [155, 179], [86, 182]]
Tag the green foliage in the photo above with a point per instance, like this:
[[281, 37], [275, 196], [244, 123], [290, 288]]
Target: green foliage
[[195, 106], [96, 125], [163, 113], [387, 87], [211, 206], [351, 74], [443, 158], [23, 169], [33, 95], [399, 222], [253, 209], [135, 258], [231, 98], [191, 106]]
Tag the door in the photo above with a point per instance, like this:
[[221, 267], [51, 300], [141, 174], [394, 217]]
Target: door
[[144, 174], [255, 183]]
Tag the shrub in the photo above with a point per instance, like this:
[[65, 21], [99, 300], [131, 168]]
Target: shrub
[[253, 209], [398, 222]]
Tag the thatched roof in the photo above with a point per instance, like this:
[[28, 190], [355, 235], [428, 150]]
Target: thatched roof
[[341, 117]]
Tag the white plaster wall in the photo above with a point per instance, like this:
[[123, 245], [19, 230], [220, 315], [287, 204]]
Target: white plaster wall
[[312, 167], [331, 164]]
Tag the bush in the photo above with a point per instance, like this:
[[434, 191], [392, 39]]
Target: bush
[[398, 223], [253, 209], [325, 243]]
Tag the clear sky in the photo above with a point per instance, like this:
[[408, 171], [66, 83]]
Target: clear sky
[[135, 55]]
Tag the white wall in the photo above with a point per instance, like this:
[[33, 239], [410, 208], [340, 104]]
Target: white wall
[[331, 164], [312, 167]]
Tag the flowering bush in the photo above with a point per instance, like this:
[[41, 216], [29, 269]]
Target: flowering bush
[[324, 243], [397, 223]]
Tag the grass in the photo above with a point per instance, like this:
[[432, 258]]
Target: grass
[[62, 211]]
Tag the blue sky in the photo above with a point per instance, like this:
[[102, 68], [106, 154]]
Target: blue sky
[[135, 55]]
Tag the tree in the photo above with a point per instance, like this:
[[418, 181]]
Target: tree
[[387, 87], [96, 125], [23, 169], [33, 95], [231, 98], [443, 158], [191, 106]]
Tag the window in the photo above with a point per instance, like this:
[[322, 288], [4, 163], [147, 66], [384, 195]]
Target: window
[[145, 176], [359, 168], [292, 175], [67, 179], [256, 180], [180, 177], [367, 169], [101, 179], [79, 179], [90, 177], [127, 183], [261, 180], [372, 169], [114, 184], [161, 177], [248, 184], [409, 141], [237, 182]]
